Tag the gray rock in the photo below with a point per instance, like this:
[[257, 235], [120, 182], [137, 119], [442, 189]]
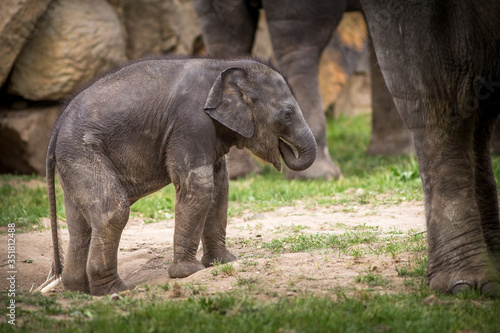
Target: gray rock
[[24, 137], [18, 19], [78, 39]]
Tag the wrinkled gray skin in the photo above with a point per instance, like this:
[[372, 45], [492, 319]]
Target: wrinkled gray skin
[[440, 60], [157, 122], [300, 30]]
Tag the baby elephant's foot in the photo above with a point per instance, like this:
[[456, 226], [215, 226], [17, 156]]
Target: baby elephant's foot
[[219, 256], [184, 268], [115, 285]]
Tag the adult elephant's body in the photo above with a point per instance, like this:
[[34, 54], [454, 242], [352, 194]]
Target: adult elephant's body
[[300, 30], [441, 62]]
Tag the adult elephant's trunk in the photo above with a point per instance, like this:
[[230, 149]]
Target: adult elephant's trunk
[[298, 152]]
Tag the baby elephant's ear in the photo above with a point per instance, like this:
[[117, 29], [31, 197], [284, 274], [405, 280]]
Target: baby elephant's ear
[[227, 102]]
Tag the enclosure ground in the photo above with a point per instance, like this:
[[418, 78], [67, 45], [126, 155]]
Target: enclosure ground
[[271, 261]]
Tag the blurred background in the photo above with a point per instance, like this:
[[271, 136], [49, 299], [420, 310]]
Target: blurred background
[[48, 48]]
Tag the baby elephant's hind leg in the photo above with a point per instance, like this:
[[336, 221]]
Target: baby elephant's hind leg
[[107, 209], [74, 275], [102, 266]]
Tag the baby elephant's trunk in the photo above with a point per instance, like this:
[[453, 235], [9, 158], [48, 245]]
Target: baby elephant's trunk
[[299, 153]]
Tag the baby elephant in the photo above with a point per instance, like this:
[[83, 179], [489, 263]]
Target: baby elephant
[[156, 122]]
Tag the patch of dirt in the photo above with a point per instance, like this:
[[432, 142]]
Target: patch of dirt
[[146, 251]]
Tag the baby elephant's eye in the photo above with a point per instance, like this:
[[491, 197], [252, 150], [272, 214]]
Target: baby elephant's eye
[[286, 115]]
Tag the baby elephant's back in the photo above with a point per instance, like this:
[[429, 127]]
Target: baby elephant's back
[[127, 118], [126, 95], [139, 99]]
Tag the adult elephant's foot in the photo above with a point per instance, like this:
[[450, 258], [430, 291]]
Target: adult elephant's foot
[[484, 280], [491, 289], [107, 286], [184, 268], [240, 163], [322, 168], [217, 256], [488, 289]]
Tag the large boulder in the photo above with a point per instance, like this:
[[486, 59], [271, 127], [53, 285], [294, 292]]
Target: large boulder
[[24, 137], [18, 19], [77, 39]]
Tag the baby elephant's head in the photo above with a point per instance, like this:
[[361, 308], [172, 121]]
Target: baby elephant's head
[[256, 102]]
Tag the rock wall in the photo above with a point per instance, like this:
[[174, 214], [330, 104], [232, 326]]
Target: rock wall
[[25, 134], [77, 40], [17, 20], [50, 47]]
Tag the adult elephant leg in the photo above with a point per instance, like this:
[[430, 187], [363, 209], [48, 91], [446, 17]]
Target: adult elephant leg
[[445, 135], [458, 255], [390, 136], [486, 188], [495, 140], [299, 33], [214, 232], [301, 68], [229, 29]]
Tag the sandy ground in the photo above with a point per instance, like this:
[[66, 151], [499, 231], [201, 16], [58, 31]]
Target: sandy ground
[[146, 250]]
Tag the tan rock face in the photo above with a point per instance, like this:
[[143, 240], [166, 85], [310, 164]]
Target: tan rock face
[[75, 40], [24, 137], [18, 18]]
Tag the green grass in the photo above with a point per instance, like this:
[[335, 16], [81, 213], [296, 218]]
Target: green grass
[[223, 268], [24, 200], [372, 279], [232, 312], [354, 241], [305, 242]]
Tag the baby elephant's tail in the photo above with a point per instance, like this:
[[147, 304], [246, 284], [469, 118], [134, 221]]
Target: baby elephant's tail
[[50, 170]]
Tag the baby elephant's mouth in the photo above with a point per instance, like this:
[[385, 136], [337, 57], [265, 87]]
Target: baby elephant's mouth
[[290, 146], [297, 156]]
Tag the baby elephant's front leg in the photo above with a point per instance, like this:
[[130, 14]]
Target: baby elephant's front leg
[[214, 232], [194, 192]]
